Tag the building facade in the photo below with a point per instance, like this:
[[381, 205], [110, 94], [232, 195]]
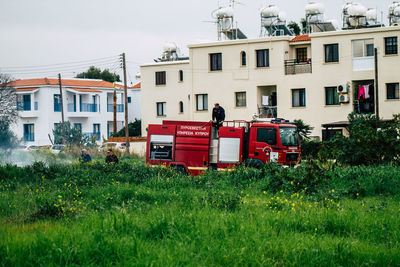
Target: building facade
[[88, 106], [319, 78]]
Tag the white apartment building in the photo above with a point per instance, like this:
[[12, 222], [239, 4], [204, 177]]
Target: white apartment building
[[283, 76], [88, 105]]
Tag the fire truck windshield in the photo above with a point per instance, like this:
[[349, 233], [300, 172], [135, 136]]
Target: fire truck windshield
[[289, 136]]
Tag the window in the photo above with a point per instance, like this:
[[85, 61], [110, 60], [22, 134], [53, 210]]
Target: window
[[215, 61], [129, 99], [391, 46], [330, 133], [331, 96], [240, 99], [331, 53], [161, 109], [160, 78], [392, 91], [262, 58], [301, 54], [29, 133], [363, 48], [243, 59], [180, 107], [265, 135], [202, 102], [96, 131], [181, 75], [298, 97], [57, 103]]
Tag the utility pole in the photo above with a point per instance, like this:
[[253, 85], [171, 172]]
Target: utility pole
[[115, 110], [126, 103], [62, 108], [376, 88]]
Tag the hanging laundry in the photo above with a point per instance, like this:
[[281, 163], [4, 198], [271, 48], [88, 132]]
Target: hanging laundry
[[361, 91], [366, 92]]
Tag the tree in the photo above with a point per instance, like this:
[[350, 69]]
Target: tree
[[294, 27], [73, 136], [304, 130], [8, 112], [8, 100], [303, 25], [134, 128], [96, 73]]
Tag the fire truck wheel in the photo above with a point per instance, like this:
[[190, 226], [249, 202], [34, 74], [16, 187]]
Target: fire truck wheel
[[255, 163]]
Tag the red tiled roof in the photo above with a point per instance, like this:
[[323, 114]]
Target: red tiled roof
[[86, 90], [138, 85], [26, 89], [65, 82], [301, 38]]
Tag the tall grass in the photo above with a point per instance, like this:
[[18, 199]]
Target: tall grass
[[129, 214]]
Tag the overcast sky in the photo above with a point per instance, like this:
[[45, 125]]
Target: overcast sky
[[44, 32]]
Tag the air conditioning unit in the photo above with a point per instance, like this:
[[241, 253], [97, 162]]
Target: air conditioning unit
[[344, 98], [343, 89]]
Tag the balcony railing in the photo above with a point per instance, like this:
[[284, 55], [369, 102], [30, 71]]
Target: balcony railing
[[23, 106], [30, 137], [268, 112], [292, 66], [110, 107], [94, 135], [84, 107]]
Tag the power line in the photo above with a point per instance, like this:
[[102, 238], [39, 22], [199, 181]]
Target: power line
[[65, 63], [57, 70]]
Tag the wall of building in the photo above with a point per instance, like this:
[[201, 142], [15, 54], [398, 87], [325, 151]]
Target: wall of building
[[222, 85]]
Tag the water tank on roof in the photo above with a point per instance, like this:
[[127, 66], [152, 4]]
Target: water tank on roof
[[396, 11], [224, 12], [371, 14], [169, 47], [282, 16], [315, 8], [356, 10], [269, 11]]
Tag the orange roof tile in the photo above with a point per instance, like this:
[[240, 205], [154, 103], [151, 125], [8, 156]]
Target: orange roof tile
[[65, 82], [138, 85], [301, 38], [86, 90], [26, 89]]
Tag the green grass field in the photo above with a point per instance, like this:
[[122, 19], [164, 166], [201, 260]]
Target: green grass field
[[129, 214]]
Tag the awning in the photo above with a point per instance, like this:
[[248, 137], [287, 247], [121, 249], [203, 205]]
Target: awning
[[84, 90], [338, 124], [25, 90]]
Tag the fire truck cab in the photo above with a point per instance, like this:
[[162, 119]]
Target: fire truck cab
[[194, 147]]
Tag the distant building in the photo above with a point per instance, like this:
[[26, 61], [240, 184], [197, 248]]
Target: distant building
[[319, 78], [88, 105]]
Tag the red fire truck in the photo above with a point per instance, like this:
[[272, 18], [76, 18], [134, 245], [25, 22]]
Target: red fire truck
[[194, 147]]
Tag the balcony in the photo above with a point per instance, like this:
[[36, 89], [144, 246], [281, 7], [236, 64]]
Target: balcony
[[292, 67], [26, 106], [120, 108], [268, 112], [26, 110], [83, 107]]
